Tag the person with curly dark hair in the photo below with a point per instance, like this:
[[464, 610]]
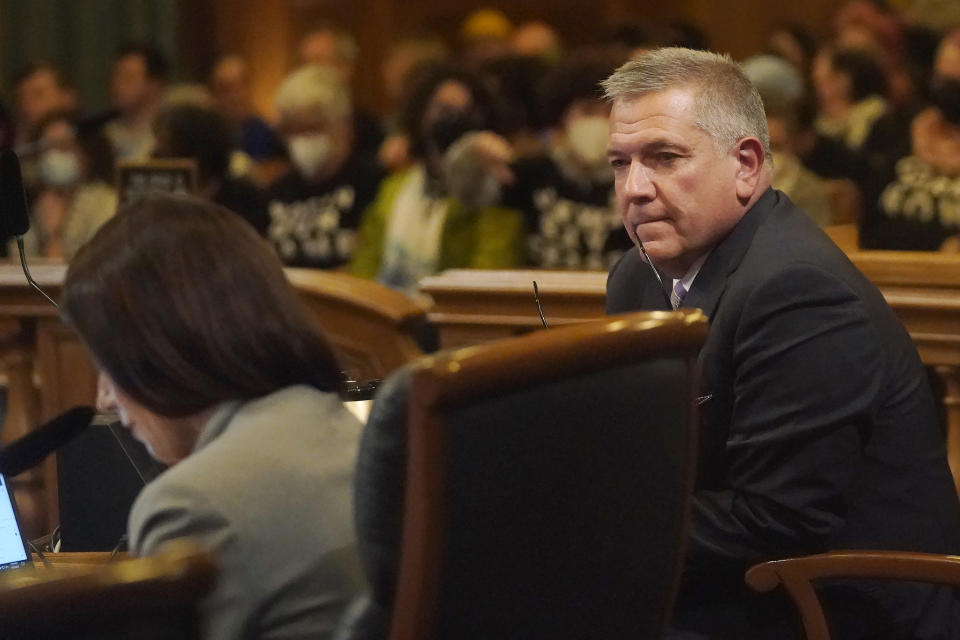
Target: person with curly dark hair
[[428, 217]]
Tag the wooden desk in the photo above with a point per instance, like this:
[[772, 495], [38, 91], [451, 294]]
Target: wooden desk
[[86, 597], [76, 561], [922, 288], [60, 565], [472, 305]]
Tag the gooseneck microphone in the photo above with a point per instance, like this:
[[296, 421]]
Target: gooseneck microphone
[[536, 298], [16, 215], [31, 449], [656, 273]]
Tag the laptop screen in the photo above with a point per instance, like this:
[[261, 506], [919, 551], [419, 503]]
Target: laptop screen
[[13, 548]]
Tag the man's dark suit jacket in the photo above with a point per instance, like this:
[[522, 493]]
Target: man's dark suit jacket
[[819, 431]]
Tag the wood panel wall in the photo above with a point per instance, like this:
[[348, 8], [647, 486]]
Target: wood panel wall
[[267, 32]]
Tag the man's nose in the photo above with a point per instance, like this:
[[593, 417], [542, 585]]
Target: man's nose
[[638, 185]]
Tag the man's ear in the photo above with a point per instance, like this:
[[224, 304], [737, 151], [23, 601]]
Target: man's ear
[[750, 167]]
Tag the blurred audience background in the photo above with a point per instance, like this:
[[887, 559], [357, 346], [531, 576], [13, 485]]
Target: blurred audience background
[[417, 139]]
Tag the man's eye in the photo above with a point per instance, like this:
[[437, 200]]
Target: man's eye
[[617, 163], [666, 157]]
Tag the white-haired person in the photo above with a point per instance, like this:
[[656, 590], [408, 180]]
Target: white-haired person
[[316, 207]]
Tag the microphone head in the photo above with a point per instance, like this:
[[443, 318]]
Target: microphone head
[[31, 449], [13, 198]]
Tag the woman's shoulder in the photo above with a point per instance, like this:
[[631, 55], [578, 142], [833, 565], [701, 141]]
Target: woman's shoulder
[[295, 402], [307, 430], [298, 424]]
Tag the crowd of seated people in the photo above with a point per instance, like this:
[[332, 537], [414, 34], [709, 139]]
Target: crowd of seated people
[[333, 185], [495, 156]]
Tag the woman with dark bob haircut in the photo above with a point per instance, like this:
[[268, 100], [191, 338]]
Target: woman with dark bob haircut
[[209, 358]]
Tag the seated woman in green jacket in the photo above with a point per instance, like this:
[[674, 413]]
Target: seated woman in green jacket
[[415, 227]]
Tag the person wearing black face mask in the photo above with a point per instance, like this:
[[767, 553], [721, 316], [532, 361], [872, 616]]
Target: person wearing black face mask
[[450, 125], [417, 226], [946, 97], [920, 208]]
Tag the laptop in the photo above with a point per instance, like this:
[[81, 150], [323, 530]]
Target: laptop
[[14, 553]]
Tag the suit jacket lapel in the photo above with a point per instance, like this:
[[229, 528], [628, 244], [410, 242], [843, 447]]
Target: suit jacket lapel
[[723, 261], [631, 286]]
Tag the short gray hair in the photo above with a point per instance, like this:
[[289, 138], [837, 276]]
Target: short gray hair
[[726, 105], [314, 87]]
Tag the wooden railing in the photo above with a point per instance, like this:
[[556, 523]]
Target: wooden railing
[[47, 369], [922, 288]]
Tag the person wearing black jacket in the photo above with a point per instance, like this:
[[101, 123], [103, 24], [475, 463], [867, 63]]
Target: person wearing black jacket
[[819, 429]]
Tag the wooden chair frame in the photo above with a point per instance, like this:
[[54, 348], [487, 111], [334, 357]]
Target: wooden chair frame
[[369, 325], [474, 372], [797, 574]]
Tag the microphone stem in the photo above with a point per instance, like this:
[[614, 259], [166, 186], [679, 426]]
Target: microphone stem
[[26, 272], [663, 290], [536, 298], [136, 467]]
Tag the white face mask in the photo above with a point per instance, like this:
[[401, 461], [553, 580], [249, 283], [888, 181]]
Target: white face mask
[[310, 152], [587, 137], [59, 168]]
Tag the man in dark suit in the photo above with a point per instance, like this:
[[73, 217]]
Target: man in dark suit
[[819, 429]]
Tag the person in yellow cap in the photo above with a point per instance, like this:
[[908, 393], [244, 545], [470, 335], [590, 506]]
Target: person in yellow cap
[[485, 35]]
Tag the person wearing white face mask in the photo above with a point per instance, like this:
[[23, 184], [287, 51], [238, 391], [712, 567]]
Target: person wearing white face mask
[[315, 208], [567, 194], [75, 195]]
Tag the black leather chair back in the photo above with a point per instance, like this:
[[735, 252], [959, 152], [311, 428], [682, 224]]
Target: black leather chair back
[[550, 499], [564, 507]]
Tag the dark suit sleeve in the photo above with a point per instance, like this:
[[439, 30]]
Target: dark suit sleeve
[[379, 485], [806, 363]]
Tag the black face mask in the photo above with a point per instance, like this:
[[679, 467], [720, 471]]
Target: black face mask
[[451, 125], [946, 97]]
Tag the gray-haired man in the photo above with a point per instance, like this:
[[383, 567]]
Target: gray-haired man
[[819, 429]]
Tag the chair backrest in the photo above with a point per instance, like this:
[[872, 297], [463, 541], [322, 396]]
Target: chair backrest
[[844, 198], [845, 236], [148, 599], [548, 479], [371, 327]]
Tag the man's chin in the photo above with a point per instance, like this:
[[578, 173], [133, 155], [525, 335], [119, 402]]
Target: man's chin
[[666, 264]]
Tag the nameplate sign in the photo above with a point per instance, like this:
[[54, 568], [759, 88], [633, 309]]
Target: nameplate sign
[[168, 175]]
